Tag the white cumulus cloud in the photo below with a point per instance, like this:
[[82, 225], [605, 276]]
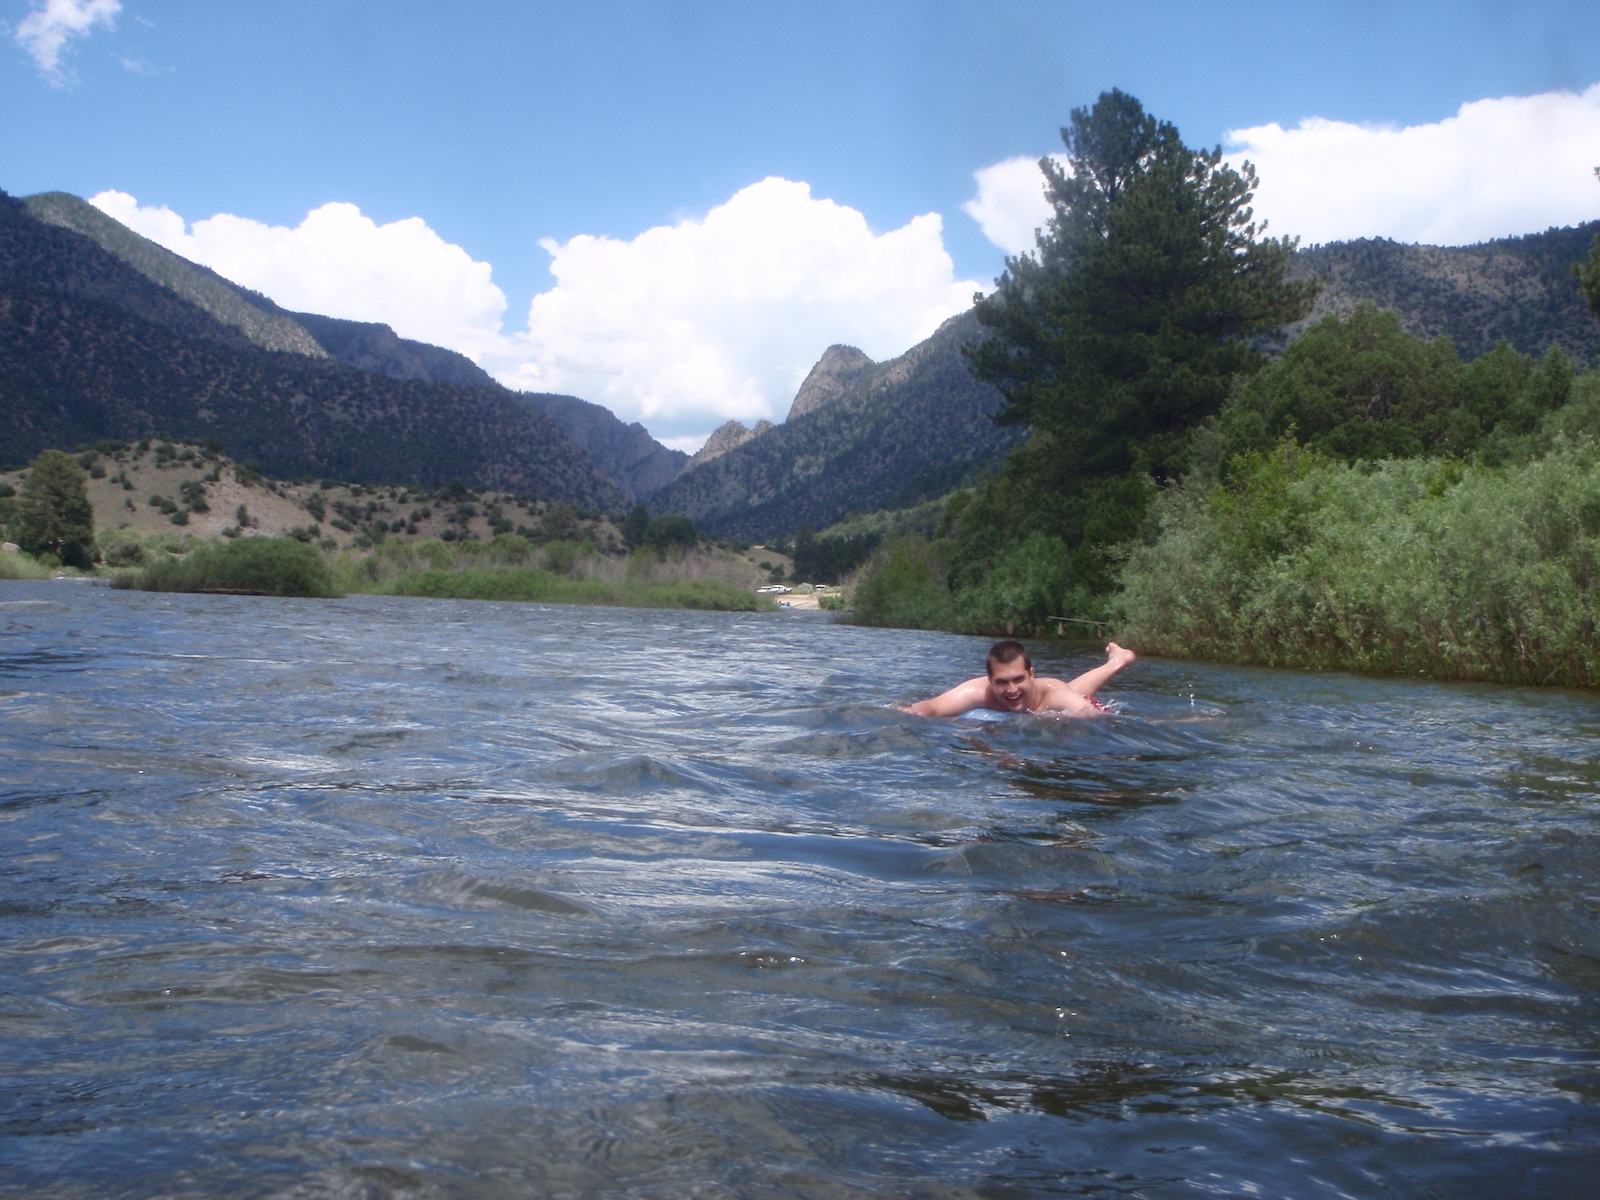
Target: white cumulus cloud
[[1498, 167], [681, 327], [1010, 205], [340, 263], [690, 324], [45, 31]]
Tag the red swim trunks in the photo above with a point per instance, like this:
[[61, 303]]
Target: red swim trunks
[[1098, 707]]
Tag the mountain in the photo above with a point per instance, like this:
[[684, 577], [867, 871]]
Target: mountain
[[836, 370], [91, 348], [730, 435], [891, 434], [627, 454], [1519, 288], [862, 436], [373, 347], [254, 316]]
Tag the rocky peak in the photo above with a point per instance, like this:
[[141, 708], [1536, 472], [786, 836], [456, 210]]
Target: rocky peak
[[837, 369], [727, 436]]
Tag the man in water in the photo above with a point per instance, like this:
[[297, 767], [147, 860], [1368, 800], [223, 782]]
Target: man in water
[[1010, 686]]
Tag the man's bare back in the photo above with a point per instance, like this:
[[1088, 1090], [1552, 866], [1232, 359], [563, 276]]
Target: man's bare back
[[1011, 686]]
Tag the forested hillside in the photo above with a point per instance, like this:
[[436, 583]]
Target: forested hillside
[[898, 432], [627, 454], [1521, 289], [91, 348]]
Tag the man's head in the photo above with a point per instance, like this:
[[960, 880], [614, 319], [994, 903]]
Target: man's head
[[1007, 652], [1010, 673]]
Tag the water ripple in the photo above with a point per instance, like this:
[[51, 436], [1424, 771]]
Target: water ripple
[[380, 897]]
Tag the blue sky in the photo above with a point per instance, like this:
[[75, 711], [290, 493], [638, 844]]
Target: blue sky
[[501, 124]]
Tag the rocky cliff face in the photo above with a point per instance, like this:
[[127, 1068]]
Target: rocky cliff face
[[900, 432], [728, 436], [836, 370]]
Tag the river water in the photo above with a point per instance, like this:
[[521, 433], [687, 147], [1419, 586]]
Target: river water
[[383, 897]]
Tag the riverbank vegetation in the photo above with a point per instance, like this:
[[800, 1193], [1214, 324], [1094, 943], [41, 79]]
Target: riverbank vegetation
[[512, 567], [250, 566], [1363, 498]]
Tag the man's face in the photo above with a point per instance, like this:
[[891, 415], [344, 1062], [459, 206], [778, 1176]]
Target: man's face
[[1011, 683]]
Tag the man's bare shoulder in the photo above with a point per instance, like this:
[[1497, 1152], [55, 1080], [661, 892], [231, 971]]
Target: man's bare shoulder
[[1055, 696]]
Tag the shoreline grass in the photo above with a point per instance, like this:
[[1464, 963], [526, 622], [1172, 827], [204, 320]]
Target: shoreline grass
[[535, 585], [507, 568]]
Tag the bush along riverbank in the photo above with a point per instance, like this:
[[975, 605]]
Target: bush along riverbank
[[1407, 567], [250, 566], [510, 567], [1364, 498]]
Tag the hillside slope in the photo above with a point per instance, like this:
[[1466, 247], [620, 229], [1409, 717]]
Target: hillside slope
[[90, 348], [255, 317], [899, 432], [1520, 289], [368, 346], [626, 454]]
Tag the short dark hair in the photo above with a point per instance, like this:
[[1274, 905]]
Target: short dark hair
[[1006, 652]]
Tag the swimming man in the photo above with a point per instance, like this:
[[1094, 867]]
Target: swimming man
[[1010, 686]]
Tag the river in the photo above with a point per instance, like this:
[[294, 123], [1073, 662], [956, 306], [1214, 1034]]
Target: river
[[380, 897]]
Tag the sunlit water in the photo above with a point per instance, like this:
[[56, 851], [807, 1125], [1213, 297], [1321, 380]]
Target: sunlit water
[[401, 897]]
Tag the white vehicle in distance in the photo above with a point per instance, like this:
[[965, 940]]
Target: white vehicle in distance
[[775, 589]]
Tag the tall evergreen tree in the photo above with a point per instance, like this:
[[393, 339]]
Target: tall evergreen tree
[[1123, 329], [1129, 322], [55, 516], [1588, 271]]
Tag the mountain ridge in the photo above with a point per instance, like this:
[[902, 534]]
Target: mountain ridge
[[92, 348]]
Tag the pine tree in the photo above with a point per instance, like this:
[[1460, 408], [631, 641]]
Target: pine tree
[[1588, 272], [55, 516], [1143, 301]]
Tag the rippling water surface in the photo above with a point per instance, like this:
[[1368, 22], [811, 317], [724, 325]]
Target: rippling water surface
[[402, 897]]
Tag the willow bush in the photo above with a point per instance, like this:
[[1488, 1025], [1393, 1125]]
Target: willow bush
[[280, 566], [510, 567], [1415, 566]]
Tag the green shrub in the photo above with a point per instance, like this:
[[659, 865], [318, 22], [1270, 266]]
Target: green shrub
[[529, 584], [23, 566], [1414, 566], [122, 548], [271, 566], [903, 586], [1027, 584], [54, 516]]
